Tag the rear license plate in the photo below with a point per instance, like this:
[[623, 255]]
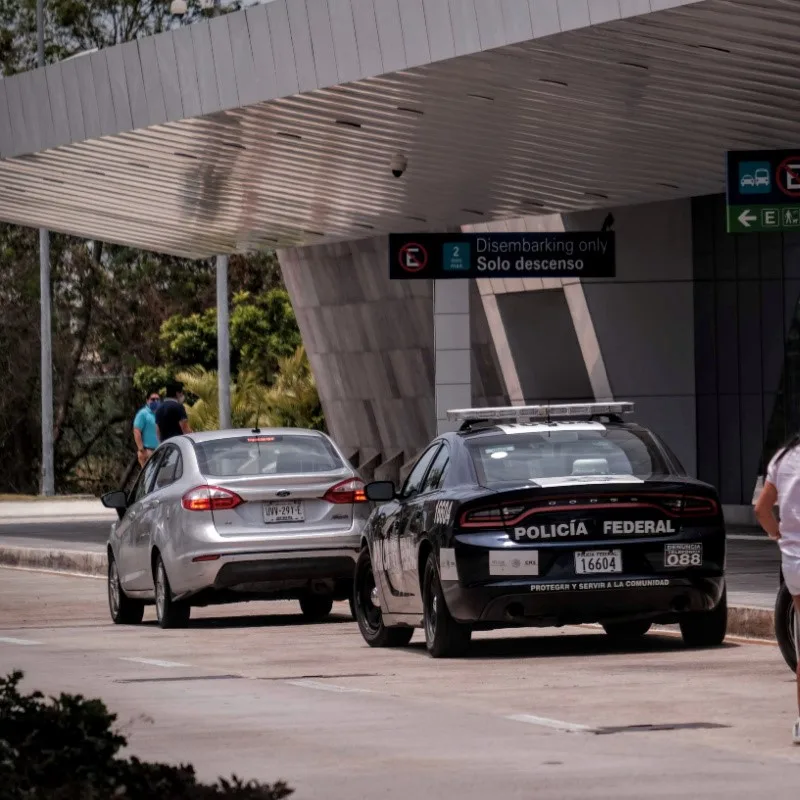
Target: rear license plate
[[594, 562], [284, 511]]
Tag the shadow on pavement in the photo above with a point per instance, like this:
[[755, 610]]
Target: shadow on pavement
[[258, 621], [570, 646]]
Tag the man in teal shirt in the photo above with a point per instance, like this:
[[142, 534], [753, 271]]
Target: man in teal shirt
[[144, 428]]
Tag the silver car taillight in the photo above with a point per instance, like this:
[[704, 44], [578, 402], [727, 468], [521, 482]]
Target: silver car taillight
[[348, 491], [210, 498]]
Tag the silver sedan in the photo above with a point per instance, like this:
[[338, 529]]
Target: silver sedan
[[236, 515]]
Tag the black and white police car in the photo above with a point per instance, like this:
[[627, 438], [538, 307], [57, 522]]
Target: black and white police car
[[542, 516]]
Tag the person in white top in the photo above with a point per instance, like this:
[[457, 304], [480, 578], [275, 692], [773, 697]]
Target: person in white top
[[782, 487]]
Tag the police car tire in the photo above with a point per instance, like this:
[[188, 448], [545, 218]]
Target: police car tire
[[450, 639], [316, 607], [784, 620], [382, 635], [706, 628], [627, 630]]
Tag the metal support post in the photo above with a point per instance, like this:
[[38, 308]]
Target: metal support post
[[48, 469], [223, 344]]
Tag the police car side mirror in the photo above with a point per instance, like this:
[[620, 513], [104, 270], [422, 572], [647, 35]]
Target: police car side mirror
[[380, 491]]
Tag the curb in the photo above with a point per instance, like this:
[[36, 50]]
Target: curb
[[743, 621], [72, 562], [751, 623]]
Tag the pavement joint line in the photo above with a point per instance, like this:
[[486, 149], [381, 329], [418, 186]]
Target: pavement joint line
[[330, 687], [14, 640], [555, 724], [748, 537], [155, 662]]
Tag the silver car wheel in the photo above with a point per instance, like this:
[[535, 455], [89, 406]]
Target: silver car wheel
[[161, 591], [113, 588]]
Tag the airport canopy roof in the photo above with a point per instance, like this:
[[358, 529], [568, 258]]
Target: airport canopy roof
[[277, 125]]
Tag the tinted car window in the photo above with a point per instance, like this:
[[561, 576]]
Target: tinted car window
[[435, 477], [142, 486], [563, 453], [414, 479], [168, 472], [266, 455]]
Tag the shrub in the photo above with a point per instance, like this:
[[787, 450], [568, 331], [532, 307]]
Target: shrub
[[66, 748]]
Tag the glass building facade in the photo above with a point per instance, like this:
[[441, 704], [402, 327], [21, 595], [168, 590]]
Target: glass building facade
[[747, 348]]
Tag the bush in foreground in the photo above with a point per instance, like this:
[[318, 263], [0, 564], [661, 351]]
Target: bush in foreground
[[66, 748]]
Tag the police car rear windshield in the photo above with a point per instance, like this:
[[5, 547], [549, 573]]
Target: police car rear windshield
[[530, 454], [264, 454]]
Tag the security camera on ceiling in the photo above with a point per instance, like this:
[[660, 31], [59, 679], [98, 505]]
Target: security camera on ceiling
[[399, 165]]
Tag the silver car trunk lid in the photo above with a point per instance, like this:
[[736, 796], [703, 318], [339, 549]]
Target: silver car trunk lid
[[287, 505]]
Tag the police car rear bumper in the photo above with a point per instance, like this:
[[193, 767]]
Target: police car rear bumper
[[617, 598]]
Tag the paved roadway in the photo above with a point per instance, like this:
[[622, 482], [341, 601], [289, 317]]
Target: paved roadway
[[550, 714], [752, 561]]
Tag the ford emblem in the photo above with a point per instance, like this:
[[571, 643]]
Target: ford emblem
[[283, 493]]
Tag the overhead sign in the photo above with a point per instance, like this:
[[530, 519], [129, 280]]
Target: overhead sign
[[763, 191], [501, 255]]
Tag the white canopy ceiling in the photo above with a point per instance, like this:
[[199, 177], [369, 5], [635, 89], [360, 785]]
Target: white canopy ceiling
[[273, 128]]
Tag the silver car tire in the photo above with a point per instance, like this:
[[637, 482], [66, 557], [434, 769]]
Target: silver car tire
[[123, 609], [170, 614]]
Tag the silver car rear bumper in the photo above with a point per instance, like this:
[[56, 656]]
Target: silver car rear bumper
[[211, 561]]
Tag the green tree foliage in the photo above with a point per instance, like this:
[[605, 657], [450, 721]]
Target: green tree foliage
[[263, 329], [75, 26], [66, 748], [291, 401]]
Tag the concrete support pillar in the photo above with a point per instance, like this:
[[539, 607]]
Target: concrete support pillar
[[453, 353]]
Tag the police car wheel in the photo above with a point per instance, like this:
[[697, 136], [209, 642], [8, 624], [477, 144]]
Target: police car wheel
[[316, 607], [627, 630], [785, 627], [444, 637], [706, 628], [367, 609]]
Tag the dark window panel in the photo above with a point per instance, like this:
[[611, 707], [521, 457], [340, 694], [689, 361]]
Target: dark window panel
[[727, 337], [708, 439], [730, 450], [752, 442], [705, 338], [749, 311], [771, 252]]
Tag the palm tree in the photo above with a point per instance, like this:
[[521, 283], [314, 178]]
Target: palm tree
[[291, 401]]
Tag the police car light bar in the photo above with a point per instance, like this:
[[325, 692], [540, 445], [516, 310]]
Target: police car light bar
[[546, 412]]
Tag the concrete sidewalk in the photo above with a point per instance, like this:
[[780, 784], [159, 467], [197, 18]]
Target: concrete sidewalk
[[76, 510]]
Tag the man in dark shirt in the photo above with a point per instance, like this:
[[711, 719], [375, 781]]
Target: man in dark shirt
[[171, 419]]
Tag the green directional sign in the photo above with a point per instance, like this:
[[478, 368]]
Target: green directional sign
[[763, 191]]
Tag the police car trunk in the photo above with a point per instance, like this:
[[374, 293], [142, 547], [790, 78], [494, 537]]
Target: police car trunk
[[585, 518]]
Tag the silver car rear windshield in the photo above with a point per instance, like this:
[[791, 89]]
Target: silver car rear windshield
[[536, 456], [262, 454]]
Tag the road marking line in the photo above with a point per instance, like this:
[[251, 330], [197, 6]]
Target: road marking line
[[749, 537], [154, 662], [329, 687], [569, 727], [12, 640]]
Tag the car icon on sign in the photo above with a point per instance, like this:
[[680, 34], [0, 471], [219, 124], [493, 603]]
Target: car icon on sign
[[761, 177], [748, 180]]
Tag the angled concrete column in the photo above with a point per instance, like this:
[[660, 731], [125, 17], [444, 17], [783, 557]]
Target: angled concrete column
[[452, 354]]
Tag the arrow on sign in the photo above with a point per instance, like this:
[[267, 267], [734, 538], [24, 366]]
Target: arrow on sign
[[746, 218]]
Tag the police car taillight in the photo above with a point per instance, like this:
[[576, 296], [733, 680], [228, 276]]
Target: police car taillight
[[482, 518], [699, 507]]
